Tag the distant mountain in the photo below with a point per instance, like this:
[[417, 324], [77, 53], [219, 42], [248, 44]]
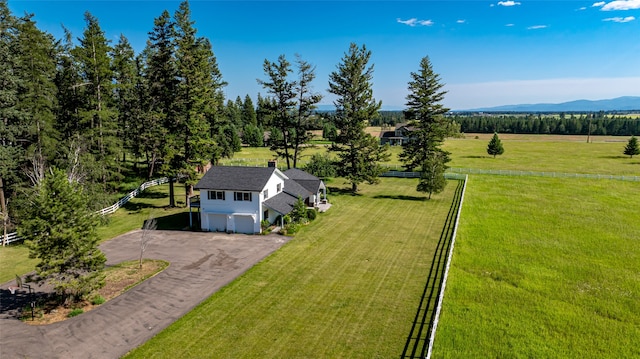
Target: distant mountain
[[625, 103]]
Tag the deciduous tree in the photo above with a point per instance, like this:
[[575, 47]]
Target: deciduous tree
[[359, 153]]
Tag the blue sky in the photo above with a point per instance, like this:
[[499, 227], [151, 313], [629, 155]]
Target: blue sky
[[488, 53]]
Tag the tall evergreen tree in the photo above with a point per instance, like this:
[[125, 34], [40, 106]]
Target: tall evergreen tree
[[60, 231], [125, 92], [359, 153], [429, 127], [12, 128], [632, 148], [495, 147], [306, 103], [37, 93], [249, 112], [196, 98], [282, 107], [97, 112], [157, 92]]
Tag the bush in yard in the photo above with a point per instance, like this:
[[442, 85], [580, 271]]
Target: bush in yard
[[97, 300], [75, 312], [312, 213]]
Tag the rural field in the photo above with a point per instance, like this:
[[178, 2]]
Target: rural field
[[544, 267], [347, 286], [538, 153]]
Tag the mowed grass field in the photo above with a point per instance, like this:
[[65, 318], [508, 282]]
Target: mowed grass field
[[346, 286], [544, 268]]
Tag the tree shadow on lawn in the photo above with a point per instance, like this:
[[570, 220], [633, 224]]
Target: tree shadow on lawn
[[137, 206], [401, 197], [152, 194], [475, 157], [615, 157], [341, 191]]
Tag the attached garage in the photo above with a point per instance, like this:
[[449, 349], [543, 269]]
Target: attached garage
[[217, 222], [244, 224]]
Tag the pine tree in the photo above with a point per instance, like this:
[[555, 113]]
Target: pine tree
[[495, 146], [358, 152], [157, 92], [281, 109], [249, 112], [306, 103], [632, 147], [97, 111], [11, 117], [37, 93], [197, 99], [127, 101], [432, 178], [60, 231], [425, 114]]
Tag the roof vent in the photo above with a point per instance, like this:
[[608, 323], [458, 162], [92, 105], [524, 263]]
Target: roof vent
[[272, 163]]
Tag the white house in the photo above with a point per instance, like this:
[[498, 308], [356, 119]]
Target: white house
[[238, 199]]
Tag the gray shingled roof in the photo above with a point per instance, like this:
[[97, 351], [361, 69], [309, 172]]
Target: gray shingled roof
[[310, 182], [251, 179], [282, 203], [296, 190]]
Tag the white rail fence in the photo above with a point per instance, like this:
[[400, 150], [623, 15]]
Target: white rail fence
[[13, 237]]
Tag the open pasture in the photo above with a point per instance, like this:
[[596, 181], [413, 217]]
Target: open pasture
[[538, 153], [544, 267], [347, 286]]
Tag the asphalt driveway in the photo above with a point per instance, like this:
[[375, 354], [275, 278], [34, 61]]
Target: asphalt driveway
[[201, 263]]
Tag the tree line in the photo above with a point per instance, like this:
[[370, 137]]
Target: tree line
[[584, 124]]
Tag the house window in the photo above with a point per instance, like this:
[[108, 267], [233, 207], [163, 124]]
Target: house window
[[279, 188], [242, 196], [216, 195], [265, 193]]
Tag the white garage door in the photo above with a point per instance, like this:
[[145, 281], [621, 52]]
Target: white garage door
[[217, 222], [244, 224]]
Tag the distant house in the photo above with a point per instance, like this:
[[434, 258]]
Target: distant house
[[238, 199], [397, 137]]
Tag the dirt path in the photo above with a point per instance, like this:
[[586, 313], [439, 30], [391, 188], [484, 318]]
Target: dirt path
[[201, 263]]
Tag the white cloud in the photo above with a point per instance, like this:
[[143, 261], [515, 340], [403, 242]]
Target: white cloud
[[537, 27], [413, 22], [508, 3], [582, 8], [492, 5], [410, 22], [598, 4], [509, 25], [620, 19], [622, 5], [461, 21]]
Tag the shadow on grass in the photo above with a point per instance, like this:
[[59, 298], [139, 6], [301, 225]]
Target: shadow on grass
[[341, 191], [153, 194], [401, 197], [137, 206], [475, 157]]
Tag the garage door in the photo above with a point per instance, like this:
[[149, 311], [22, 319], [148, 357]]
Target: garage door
[[217, 222], [244, 224]]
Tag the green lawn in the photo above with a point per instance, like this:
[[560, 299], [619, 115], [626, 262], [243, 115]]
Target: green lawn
[[544, 268], [537, 154], [14, 259], [347, 286]]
